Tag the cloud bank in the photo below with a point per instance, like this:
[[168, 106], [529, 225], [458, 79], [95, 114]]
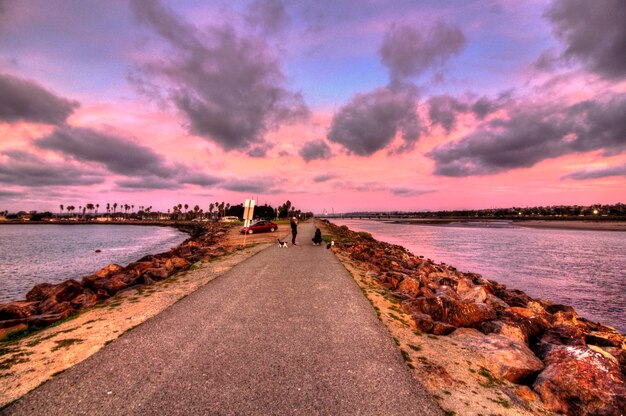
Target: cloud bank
[[229, 86], [23, 100], [584, 174], [315, 149], [532, 134], [593, 32]]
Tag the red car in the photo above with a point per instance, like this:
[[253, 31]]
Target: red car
[[259, 226]]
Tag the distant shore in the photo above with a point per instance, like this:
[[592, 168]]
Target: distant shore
[[546, 224]]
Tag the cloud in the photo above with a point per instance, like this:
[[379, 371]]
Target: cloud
[[147, 183], [534, 133], [405, 191], [9, 194], [594, 33], [269, 16], [370, 121], [584, 174], [324, 177], [444, 109], [229, 86], [25, 169], [408, 51], [118, 154], [261, 186], [200, 179], [24, 100], [315, 149]]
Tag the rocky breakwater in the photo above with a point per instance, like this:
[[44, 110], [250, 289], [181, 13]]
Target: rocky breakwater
[[572, 365], [46, 303]]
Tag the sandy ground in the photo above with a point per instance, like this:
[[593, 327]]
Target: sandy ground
[[30, 361], [575, 225], [446, 369]]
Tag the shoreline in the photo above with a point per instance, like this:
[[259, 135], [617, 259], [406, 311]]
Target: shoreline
[[32, 359], [586, 225], [480, 348]]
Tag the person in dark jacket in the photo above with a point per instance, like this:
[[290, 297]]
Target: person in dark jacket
[[294, 230], [317, 239]]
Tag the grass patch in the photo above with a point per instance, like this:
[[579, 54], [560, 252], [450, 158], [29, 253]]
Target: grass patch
[[10, 362], [406, 356], [502, 402], [418, 333], [490, 379], [415, 347], [4, 351], [396, 341], [449, 413], [39, 340], [432, 336], [65, 343], [196, 266]]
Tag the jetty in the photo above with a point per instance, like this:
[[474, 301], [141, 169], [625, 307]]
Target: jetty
[[287, 331]]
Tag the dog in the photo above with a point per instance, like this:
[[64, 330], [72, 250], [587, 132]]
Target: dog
[[329, 245], [282, 244]]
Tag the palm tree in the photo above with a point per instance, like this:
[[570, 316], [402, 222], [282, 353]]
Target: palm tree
[[61, 206], [97, 207], [211, 206], [89, 207], [196, 209]]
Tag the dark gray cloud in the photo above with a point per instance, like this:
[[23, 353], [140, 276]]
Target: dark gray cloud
[[9, 194], [580, 175], [594, 33], [229, 86], [533, 134], [315, 149], [118, 154], [325, 177], [408, 51], [370, 121], [23, 100], [406, 191], [200, 179], [25, 169], [260, 186], [270, 16], [444, 109], [147, 183]]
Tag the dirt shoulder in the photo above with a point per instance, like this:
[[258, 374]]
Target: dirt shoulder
[[30, 361]]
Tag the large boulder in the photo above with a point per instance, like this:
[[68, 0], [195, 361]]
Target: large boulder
[[454, 312], [580, 381], [504, 357], [18, 309]]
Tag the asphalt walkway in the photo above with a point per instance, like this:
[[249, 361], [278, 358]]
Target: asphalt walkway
[[286, 332]]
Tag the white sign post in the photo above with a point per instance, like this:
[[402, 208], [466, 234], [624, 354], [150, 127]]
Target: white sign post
[[248, 212]]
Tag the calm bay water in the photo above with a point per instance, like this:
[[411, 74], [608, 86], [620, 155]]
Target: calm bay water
[[31, 254], [584, 269]]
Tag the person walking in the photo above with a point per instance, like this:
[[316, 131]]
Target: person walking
[[294, 230]]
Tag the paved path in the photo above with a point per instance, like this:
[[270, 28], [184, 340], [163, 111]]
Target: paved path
[[287, 332]]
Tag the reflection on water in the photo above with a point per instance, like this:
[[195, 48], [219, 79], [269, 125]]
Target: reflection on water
[[584, 269], [35, 253]]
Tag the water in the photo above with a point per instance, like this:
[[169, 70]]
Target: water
[[581, 268], [31, 254]]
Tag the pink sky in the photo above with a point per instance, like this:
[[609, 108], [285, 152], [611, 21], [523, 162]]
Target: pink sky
[[393, 106]]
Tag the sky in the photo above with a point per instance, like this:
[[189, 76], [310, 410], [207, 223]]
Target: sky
[[334, 105]]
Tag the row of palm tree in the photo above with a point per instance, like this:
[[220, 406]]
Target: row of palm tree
[[128, 210]]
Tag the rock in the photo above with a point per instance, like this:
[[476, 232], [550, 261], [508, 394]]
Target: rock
[[605, 339], [39, 292], [47, 319], [477, 294], [580, 381], [496, 303], [51, 306], [513, 297], [87, 299], [506, 329], [446, 291], [109, 270], [454, 312], [464, 285], [410, 286], [155, 274], [441, 328], [504, 357], [116, 283], [423, 322], [525, 393], [18, 309], [139, 267], [176, 263]]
